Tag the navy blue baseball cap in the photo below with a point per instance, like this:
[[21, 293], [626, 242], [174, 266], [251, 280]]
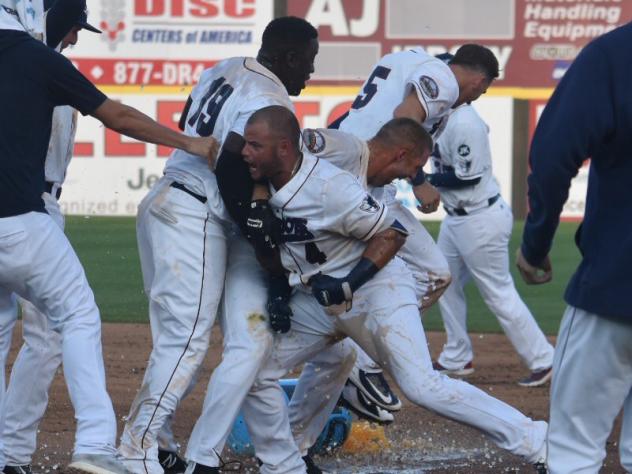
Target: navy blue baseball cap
[[82, 20]]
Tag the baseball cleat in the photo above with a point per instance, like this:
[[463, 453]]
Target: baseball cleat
[[375, 388], [171, 462], [310, 465], [467, 369], [354, 399], [537, 378], [97, 464], [17, 469]]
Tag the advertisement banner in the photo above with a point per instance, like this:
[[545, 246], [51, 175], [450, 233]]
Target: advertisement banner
[[166, 42], [534, 40], [110, 174], [576, 203]]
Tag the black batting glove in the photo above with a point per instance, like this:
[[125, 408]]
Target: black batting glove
[[278, 306], [263, 228], [329, 290]]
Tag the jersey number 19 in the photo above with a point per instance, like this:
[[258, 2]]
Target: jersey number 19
[[210, 105]]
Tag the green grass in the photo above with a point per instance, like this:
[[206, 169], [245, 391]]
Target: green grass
[[107, 249]]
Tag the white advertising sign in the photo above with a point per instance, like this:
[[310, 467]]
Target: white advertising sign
[[166, 42]]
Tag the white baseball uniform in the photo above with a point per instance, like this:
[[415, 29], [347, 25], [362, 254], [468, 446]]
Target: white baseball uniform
[[327, 218], [392, 79], [191, 252], [476, 246]]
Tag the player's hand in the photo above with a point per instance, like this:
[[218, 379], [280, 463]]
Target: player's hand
[[205, 147], [278, 306], [534, 275], [330, 291], [280, 314], [435, 290], [263, 228], [428, 197]]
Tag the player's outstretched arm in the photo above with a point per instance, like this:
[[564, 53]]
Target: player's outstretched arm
[[133, 123]]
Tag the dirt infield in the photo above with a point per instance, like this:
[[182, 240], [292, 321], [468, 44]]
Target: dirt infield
[[419, 440]]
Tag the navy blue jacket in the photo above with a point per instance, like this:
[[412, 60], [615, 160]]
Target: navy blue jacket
[[589, 116], [34, 80]]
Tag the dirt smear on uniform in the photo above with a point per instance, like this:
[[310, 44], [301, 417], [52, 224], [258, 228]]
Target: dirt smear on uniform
[[420, 442]]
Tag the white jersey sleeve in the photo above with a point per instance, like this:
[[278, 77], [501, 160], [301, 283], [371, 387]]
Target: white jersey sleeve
[[433, 83], [341, 149], [60, 146], [351, 211]]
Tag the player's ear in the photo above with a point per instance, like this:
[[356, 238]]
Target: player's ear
[[291, 58]]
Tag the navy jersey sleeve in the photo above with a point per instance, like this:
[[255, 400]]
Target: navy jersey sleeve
[[67, 86], [578, 117]]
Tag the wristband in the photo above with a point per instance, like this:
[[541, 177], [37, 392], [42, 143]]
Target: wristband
[[361, 273]]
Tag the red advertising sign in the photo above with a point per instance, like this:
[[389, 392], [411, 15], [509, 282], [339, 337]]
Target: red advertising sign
[[534, 40]]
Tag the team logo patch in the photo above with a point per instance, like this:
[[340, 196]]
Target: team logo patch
[[463, 150], [429, 86], [369, 205], [314, 140]]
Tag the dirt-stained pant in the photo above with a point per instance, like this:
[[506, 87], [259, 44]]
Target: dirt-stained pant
[[421, 254], [384, 321], [183, 252]]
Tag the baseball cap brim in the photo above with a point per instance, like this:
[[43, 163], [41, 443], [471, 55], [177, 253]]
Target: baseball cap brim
[[87, 26], [83, 22]]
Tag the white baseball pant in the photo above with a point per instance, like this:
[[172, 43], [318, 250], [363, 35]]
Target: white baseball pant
[[476, 247], [8, 315], [32, 374], [38, 263], [592, 381], [422, 256], [248, 341], [385, 322], [182, 246]]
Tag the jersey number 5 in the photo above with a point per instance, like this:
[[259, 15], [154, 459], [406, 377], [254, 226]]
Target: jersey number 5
[[210, 105], [370, 88]]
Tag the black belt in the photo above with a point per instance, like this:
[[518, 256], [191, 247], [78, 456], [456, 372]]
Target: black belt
[[182, 187], [49, 189], [459, 211]]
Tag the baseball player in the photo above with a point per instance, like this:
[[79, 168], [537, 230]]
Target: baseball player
[[36, 259], [419, 86], [474, 237], [193, 254], [40, 356], [355, 288]]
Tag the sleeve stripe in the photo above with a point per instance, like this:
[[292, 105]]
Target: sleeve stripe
[[377, 224]]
